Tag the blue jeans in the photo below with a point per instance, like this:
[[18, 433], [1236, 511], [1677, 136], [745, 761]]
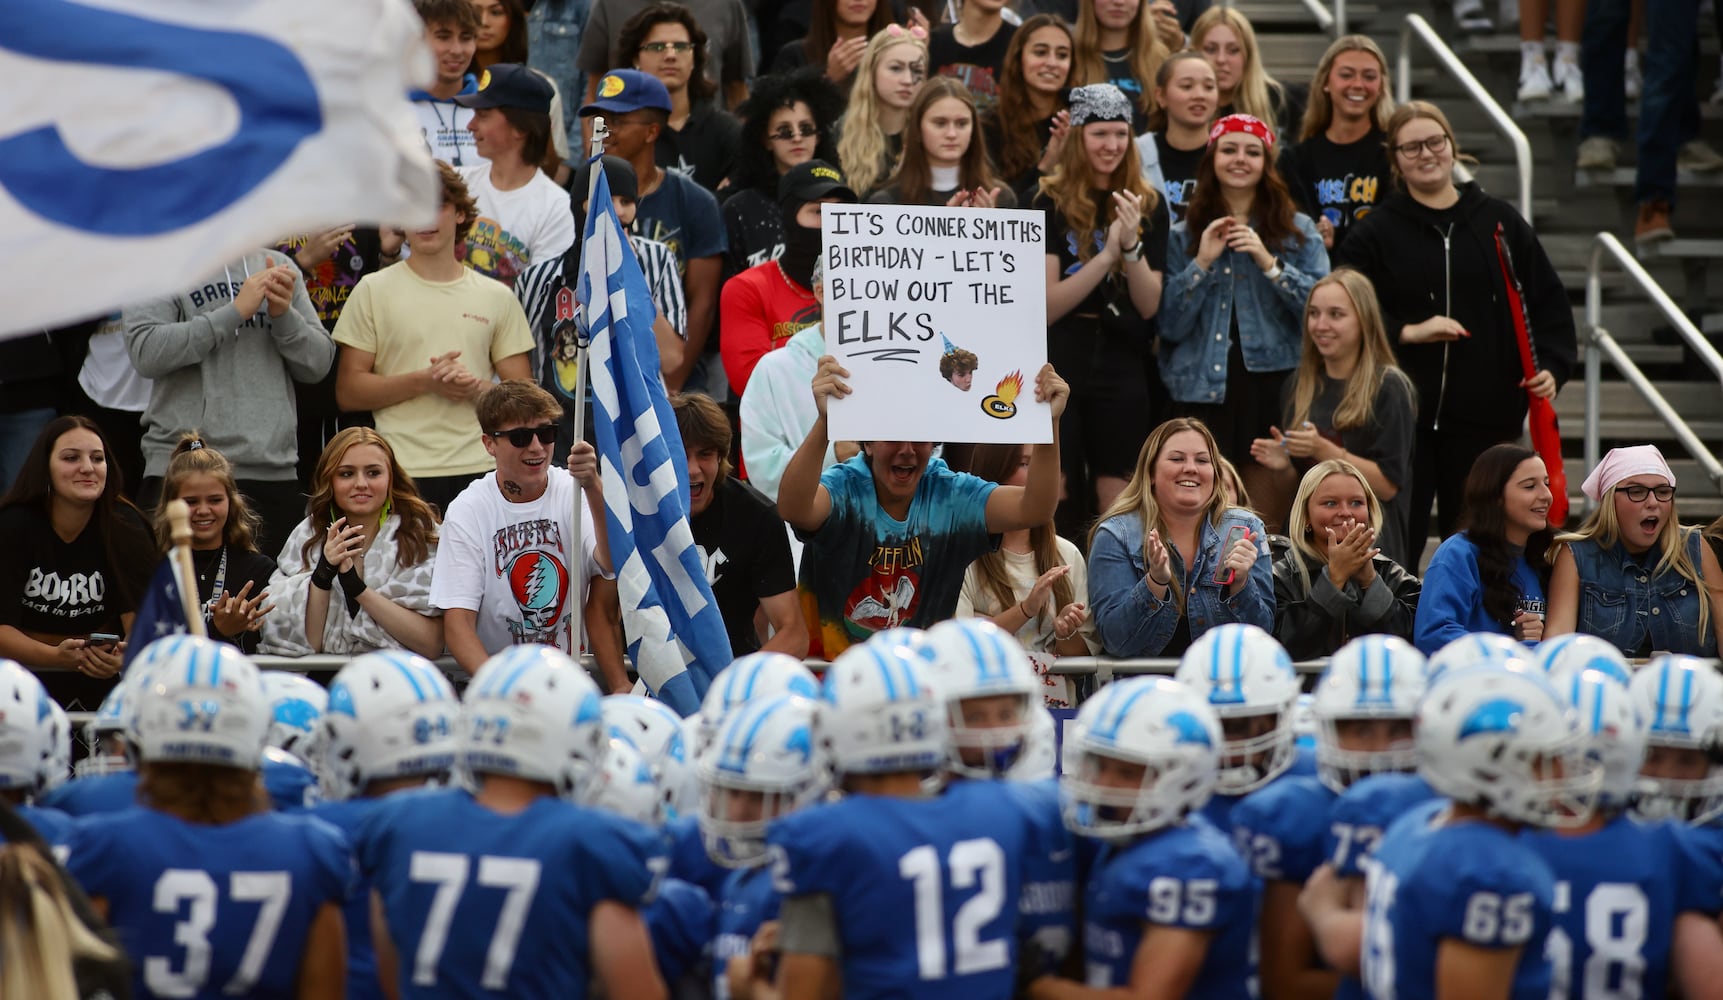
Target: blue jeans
[[1668, 111], [18, 432]]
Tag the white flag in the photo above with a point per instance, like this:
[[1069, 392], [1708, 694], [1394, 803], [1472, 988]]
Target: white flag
[[144, 143]]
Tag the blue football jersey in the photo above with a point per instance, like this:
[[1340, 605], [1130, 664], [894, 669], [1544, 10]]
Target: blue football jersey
[[1471, 881], [1279, 829], [925, 890], [467, 891], [51, 825], [682, 921], [1186, 876], [100, 793], [211, 911], [688, 858], [292, 786], [1218, 809], [1358, 818], [362, 982], [1047, 912], [748, 899], [1617, 893]]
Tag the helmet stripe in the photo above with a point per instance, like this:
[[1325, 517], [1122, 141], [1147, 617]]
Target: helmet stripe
[[1109, 728], [407, 670], [1686, 697], [884, 664]]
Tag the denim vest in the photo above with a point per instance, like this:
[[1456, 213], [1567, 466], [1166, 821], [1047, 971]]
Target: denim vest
[[1624, 602], [1131, 621], [1198, 308]]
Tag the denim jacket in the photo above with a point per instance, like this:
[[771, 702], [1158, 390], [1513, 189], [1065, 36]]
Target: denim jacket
[[1131, 621], [1197, 309], [1624, 602], [553, 35]]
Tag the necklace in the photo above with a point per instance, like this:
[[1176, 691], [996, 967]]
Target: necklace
[[792, 286]]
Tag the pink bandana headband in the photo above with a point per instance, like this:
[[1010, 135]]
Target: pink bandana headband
[[1620, 463], [1242, 123]]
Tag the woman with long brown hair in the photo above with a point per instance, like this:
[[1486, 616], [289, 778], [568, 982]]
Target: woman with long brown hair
[[1226, 39], [1027, 128], [368, 531], [1239, 271], [945, 159], [838, 32], [1118, 43]]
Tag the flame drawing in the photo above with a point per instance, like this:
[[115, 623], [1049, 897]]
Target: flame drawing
[[1002, 404]]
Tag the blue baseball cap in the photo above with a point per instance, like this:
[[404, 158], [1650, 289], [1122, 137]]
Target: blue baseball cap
[[510, 85], [623, 90]]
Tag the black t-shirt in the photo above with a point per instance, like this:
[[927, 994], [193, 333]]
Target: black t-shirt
[[1112, 291], [755, 227], [747, 556], [1341, 183], [1178, 174], [1120, 75], [242, 567], [705, 148], [53, 587], [978, 66]]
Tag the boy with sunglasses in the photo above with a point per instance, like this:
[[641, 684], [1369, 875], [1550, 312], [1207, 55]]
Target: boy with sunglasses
[[505, 561]]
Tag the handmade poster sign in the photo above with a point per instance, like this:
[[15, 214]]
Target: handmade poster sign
[[940, 317]]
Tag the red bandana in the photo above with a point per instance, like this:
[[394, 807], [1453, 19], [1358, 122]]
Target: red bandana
[[1241, 123]]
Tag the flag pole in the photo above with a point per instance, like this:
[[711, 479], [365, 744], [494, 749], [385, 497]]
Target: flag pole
[[179, 525], [583, 337]]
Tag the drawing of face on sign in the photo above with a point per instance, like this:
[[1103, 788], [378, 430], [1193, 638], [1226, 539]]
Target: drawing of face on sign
[[957, 365]]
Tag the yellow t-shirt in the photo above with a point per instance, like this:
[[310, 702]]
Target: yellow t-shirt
[[405, 321]]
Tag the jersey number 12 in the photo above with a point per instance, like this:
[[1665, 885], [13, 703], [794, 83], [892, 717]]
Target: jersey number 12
[[970, 863]]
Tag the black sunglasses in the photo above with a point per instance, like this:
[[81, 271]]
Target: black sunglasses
[[806, 130], [521, 437]]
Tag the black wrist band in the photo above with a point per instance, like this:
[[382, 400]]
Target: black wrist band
[[352, 584], [324, 575]]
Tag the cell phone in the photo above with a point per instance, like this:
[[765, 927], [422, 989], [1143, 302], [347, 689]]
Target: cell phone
[[1223, 573], [103, 639]]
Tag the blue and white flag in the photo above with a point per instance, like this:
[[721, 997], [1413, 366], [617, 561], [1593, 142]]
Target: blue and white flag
[[144, 143], [678, 638], [160, 613]]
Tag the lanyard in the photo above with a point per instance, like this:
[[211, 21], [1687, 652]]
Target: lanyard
[[220, 584]]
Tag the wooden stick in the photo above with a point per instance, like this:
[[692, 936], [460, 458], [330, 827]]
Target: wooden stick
[[179, 524]]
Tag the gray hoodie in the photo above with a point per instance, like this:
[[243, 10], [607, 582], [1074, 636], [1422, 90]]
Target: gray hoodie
[[229, 376]]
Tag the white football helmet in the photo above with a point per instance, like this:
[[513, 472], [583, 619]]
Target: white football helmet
[[627, 784], [1610, 726], [533, 713], [26, 721], [1574, 652], [1040, 757], [199, 702], [1501, 737], [1165, 729], [1245, 674], [105, 735], [881, 713], [1371, 677], [763, 765], [1681, 700], [1474, 649], [57, 766], [296, 707], [971, 658], [655, 729], [392, 714], [755, 676]]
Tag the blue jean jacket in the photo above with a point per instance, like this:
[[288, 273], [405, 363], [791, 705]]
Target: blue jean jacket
[[553, 30], [1197, 309], [1131, 621], [1624, 602]]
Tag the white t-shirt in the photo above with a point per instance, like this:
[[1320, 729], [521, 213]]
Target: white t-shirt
[[516, 229], [444, 126], [108, 376], [510, 563], [1036, 635]]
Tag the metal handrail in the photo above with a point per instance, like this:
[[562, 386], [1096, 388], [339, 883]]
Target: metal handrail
[[1416, 25], [1599, 344], [1333, 21]]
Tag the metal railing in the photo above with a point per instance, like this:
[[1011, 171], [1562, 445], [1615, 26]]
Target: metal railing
[[1415, 25], [1331, 20], [1599, 345]]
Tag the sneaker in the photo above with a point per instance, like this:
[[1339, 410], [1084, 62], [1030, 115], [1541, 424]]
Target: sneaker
[[1597, 153], [1569, 80], [1470, 17], [1633, 82], [1652, 224], [1535, 83], [1698, 157]]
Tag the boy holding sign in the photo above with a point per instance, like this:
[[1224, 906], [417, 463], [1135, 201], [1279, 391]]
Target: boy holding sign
[[890, 532]]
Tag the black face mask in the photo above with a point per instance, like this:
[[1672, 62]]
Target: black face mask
[[801, 249]]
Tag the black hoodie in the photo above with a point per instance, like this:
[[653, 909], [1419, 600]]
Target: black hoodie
[[1425, 263]]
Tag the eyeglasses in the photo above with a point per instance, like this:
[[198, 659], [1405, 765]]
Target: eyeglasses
[[1435, 144], [1637, 494], [521, 437], [662, 47], [806, 130]]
